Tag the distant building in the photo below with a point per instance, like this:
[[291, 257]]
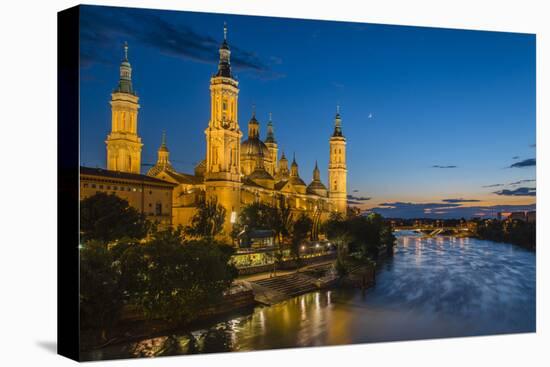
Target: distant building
[[517, 216], [150, 196], [524, 216]]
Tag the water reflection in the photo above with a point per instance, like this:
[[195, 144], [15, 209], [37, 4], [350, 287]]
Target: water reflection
[[441, 287]]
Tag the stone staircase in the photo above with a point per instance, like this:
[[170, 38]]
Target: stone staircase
[[273, 290]]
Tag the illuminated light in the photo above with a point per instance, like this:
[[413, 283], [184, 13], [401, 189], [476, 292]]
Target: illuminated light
[[303, 247], [317, 246], [233, 217]]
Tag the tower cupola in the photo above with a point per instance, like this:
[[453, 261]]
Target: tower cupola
[[337, 123], [270, 138], [253, 126], [224, 66], [294, 167], [125, 80]]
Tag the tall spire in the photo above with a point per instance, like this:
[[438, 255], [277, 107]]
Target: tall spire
[[224, 66], [294, 166], [337, 122], [270, 134], [163, 141], [316, 173], [125, 80]]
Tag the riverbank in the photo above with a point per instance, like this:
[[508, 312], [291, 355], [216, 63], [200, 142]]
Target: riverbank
[[246, 293], [430, 288]]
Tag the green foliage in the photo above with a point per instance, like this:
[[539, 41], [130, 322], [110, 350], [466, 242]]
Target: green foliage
[[180, 278], [300, 232], [208, 221], [108, 218], [167, 277], [263, 216], [342, 269], [101, 286], [257, 216], [361, 234], [513, 231]]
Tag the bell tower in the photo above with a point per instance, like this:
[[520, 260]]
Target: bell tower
[[123, 143], [337, 170], [223, 139]]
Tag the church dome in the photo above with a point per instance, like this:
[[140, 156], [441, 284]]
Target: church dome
[[254, 147], [297, 181], [260, 174], [317, 188]]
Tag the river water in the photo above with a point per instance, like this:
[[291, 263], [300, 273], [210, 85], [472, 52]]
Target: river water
[[431, 288]]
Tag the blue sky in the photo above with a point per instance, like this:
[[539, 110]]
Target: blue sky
[[429, 114]]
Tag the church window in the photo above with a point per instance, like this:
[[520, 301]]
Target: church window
[[85, 185], [101, 187], [129, 162], [158, 209], [93, 186]]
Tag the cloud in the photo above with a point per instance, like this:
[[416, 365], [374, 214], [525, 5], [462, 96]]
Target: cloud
[[524, 163], [438, 166], [520, 191], [515, 157], [494, 185], [460, 200], [358, 198], [102, 29], [355, 190], [521, 182], [511, 183], [442, 210]]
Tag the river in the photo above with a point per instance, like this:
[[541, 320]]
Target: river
[[431, 288]]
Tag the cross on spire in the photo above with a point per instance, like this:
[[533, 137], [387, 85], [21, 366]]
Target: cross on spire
[[224, 31], [126, 50]]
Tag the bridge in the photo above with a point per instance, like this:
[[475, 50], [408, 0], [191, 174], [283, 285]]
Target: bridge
[[430, 231]]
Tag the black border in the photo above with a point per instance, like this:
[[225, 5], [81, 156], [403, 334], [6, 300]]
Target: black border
[[68, 339]]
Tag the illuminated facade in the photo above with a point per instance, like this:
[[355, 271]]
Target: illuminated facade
[[235, 173], [148, 195], [123, 143]]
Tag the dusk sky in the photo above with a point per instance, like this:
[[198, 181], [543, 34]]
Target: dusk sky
[[439, 122]]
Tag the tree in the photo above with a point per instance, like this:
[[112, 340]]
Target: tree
[[300, 231], [101, 289], [182, 277], [208, 221], [282, 221], [107, 218], [257, 216]]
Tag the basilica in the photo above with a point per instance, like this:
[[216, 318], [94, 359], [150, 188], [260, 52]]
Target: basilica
[[234, 172]]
